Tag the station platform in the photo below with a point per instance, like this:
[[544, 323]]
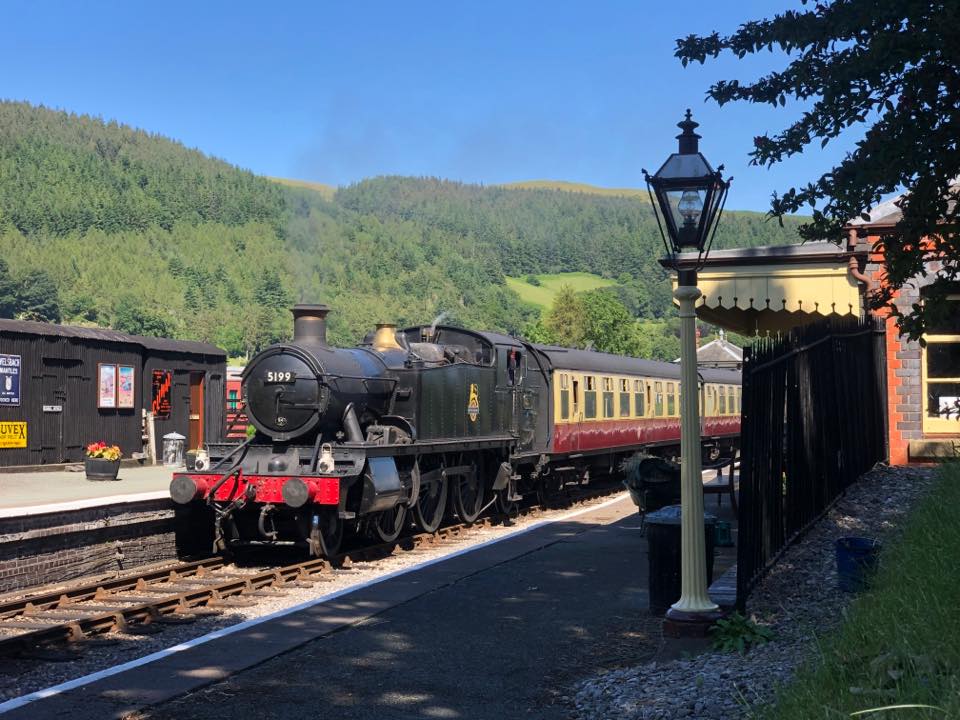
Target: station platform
[[30, 493], [499, 630]]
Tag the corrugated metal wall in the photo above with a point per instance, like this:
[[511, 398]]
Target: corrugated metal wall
[[60, 371]]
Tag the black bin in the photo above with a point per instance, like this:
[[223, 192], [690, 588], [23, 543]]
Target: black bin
[[663, 550]]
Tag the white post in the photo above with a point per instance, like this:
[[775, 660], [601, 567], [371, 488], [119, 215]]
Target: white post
[[694, 603]]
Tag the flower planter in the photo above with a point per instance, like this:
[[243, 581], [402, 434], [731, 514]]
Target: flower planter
[[100, 469]]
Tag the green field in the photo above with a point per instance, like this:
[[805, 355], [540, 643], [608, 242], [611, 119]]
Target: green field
[[542, 295]]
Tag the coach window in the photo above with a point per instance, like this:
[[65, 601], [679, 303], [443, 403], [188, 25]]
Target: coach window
[[608, 398], [624, 398], [564, 396], [658, 399], [638, 398], [732, 400], [723, 400], [671, 400], [590, 398], [739, 401]]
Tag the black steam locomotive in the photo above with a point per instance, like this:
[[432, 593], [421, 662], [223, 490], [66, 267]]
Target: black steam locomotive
[[425, 423]]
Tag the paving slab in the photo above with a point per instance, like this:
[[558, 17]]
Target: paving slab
[[23, 493], [496, 632]]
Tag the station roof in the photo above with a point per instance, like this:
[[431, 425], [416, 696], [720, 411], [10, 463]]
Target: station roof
[[773, 289], [97, 334]]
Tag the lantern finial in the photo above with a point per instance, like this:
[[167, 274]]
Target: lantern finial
[[689, 140]]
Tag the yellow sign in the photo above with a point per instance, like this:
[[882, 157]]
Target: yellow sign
[[13, 434], [473, 405]]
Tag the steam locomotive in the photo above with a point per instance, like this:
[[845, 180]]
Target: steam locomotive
[[417, 425]]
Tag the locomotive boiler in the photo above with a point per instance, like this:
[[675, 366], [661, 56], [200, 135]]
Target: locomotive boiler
[[432, 422]]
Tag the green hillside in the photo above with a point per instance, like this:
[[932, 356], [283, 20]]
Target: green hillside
[[545, 291], [104, 224], [566, 186]]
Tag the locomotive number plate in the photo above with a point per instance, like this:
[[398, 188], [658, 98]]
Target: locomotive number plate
[[277, 376]]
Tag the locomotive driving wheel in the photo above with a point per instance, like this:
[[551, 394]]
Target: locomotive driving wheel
[[386, 526], [431, 503], [467, 492]]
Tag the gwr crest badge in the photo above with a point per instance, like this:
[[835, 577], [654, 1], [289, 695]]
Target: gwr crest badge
[[473, 405]]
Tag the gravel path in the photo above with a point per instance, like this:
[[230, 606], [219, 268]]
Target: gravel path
[[19, 676], [798, 600]]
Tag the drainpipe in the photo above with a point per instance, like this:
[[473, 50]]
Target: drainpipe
[[856, 273]]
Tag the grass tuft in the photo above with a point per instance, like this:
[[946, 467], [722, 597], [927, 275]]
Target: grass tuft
[[897, 654]]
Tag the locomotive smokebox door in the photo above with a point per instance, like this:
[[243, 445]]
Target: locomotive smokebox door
[[382, 488]]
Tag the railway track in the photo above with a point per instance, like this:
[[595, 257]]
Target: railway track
[[143, 602]]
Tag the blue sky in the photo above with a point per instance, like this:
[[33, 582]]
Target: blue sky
[[334, 92]]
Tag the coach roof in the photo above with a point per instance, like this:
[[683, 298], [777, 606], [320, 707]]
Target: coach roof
[[588, 361]]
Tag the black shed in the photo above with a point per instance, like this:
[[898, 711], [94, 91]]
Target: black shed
[[64, 387]]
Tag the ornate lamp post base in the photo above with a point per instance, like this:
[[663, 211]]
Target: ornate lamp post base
[[682, 624]]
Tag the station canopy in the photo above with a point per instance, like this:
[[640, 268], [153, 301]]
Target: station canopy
[[758, 290]]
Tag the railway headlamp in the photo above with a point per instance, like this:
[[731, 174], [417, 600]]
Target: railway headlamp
[[687, 196]]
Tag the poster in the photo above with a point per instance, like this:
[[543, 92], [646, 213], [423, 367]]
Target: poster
[[9, 380], [162, 385], [106, 386], [13, 434], [125, 387]]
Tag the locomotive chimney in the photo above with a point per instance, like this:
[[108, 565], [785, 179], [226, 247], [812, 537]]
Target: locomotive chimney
[[310, 323]]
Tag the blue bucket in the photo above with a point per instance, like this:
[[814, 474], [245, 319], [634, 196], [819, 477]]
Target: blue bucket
[[856, 559]]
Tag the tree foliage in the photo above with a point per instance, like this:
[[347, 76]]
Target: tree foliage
[[891, 67]]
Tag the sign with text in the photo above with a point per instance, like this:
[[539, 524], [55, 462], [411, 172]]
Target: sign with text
[[9, 380], [13, 434], [162, 385]]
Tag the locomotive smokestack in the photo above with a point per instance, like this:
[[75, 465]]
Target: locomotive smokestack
[[310, 323]]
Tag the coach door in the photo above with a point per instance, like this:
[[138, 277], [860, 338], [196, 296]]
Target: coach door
[[576, 415]]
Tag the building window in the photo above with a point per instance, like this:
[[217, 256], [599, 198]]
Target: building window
[[941, 373], [232, 400]]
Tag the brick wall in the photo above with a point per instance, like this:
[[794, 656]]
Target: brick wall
[[904, 389], [57, 547]]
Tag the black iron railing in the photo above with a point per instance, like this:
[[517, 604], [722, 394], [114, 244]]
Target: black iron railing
[[813, 421]]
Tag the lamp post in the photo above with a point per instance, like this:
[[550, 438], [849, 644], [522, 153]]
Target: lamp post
[[689, 201]]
